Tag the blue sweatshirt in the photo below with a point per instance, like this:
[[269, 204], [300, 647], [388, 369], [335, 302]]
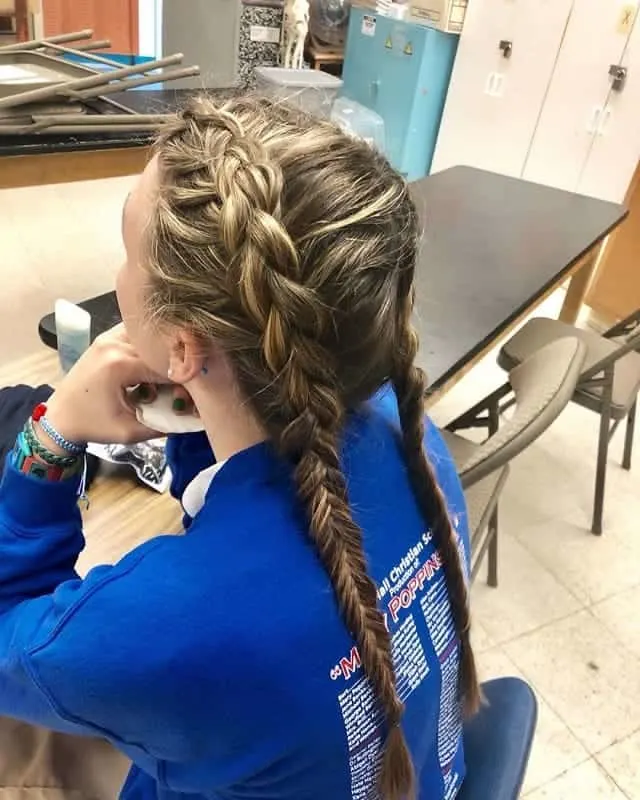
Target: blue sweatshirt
[[218, 660]]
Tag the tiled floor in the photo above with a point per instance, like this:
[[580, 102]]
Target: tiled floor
[[566, 615]]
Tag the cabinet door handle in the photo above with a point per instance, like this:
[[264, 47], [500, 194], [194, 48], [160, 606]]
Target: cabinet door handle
[[594, 119], [618, 75], [603, 125]]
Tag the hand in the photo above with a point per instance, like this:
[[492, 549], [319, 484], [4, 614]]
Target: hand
[[182, 404], [92, 403]]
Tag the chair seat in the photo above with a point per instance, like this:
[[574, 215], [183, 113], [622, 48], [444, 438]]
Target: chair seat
[[540, 331], [482, 497], [497, 741]]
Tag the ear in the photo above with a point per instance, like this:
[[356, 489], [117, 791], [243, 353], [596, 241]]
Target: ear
[[187, 356]]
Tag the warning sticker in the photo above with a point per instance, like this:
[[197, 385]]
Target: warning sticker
[[389, 43], [368, 25], [408, 49], [627, 17]]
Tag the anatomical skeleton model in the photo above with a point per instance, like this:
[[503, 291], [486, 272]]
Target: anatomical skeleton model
[[294, 32]]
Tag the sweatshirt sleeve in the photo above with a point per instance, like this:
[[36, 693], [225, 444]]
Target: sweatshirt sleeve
[[91, 657], [40, 540], [42, 603], [40, 535]]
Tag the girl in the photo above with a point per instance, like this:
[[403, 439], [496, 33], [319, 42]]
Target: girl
[[308, 638]]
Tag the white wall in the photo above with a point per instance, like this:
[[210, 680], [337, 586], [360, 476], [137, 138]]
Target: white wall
[[150, 28]]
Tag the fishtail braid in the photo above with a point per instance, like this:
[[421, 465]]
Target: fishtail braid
[[410, 387]]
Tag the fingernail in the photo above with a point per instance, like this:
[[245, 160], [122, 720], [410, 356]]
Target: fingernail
[[179, 404]]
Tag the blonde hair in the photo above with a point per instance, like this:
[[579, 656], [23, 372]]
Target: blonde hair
[[294, 247]]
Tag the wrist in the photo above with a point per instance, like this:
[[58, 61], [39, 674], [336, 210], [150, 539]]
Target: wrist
[[44, 438], [58, 421], [34, 458]]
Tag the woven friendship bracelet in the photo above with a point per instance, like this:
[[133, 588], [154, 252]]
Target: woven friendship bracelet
[[74, 448], [25, 461], [42, 452]]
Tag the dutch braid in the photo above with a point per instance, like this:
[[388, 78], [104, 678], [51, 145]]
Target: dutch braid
[[308, 294], [288, 312]]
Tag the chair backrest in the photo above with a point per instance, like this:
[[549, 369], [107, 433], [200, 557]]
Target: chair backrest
[[627, 344], [497, 741], [543, 385]]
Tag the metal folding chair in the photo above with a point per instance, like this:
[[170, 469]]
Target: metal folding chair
[[539, 388], [609, 384]]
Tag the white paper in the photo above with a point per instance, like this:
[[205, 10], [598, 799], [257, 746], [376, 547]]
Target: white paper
[[160, 416], [368, 25], [262, 33]]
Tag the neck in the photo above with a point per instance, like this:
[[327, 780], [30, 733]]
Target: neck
[[229, 422]]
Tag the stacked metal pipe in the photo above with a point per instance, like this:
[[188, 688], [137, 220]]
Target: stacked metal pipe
[[60, 107]]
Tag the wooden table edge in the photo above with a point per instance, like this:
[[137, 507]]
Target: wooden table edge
[[36, 169]]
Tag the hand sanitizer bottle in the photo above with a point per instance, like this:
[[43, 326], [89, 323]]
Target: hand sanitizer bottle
[[73, 329]]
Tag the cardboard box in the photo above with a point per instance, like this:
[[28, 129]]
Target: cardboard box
[[445, 15]]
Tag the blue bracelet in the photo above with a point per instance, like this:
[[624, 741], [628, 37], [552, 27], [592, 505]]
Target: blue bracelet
[[75, 448]]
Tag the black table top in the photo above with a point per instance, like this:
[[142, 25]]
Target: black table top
[[160, 101], [492, 247]]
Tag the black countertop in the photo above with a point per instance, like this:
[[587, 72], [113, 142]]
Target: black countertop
[[151, 101], [492, 247]]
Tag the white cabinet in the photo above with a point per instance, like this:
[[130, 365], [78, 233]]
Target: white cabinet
[[573, 110], [495, 97], [615, 150], [548, 112]]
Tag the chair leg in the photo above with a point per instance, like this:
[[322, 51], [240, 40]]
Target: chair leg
[[601, 473], [492, 564], [628, 437]]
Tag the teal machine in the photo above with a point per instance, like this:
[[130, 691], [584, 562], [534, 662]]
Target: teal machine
[[401, 71]]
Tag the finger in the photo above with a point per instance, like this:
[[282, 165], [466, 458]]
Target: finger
[[182, 402], [143, 394], [134, 431], [132, 371]]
